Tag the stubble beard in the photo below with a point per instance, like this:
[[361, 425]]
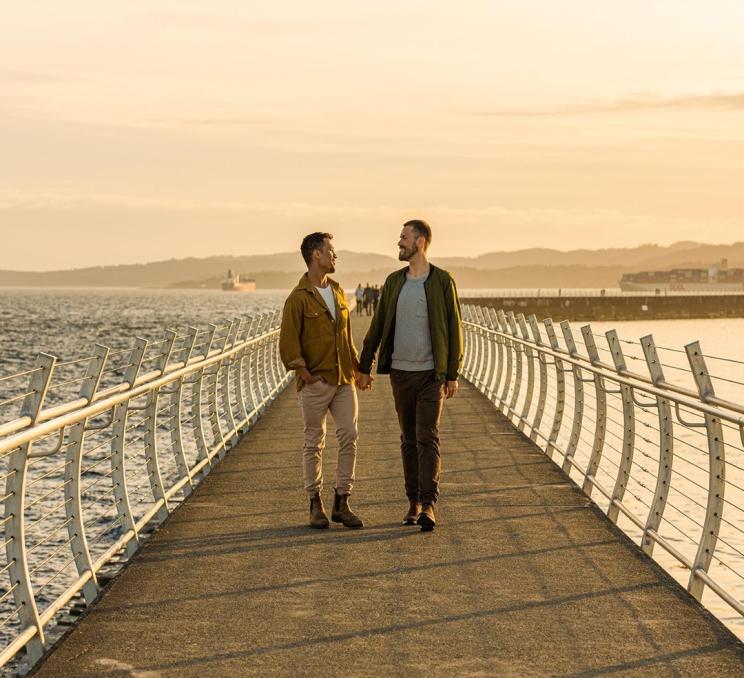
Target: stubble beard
[[404, 254]]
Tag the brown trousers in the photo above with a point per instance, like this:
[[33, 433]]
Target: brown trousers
[[419, 400]]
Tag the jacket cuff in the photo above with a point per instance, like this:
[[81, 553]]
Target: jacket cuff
[[297, 362]]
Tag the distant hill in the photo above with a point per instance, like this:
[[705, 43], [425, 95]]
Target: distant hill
[[536, 267]]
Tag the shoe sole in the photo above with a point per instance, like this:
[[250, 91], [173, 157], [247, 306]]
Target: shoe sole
[[410, 521], [426, 523]]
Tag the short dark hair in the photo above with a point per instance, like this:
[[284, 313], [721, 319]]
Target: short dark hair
[[422, 229], [312, 242]]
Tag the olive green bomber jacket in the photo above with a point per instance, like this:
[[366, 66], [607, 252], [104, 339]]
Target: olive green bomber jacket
[[445, 324]]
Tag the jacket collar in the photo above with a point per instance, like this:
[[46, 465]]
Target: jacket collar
[[401, 273], [305, 284]]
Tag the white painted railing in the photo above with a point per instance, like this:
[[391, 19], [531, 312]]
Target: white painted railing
[[663, 456], [132, 433]]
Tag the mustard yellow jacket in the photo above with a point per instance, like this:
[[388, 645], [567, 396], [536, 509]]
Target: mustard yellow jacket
[[311, 338]]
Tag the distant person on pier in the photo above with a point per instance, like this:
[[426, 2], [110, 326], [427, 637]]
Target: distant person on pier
[[368, 297], [375, 298], [359, 296], [315, 340], [418, 330]]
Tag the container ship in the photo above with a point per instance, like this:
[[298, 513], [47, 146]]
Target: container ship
[[716, 278], [234, 283]]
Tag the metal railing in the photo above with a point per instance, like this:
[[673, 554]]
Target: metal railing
[[96, 451], [662, 455]]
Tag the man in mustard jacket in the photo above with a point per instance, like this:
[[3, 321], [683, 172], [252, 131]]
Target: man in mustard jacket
[[315, 341]]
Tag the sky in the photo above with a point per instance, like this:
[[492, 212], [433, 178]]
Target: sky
[[145, 130]]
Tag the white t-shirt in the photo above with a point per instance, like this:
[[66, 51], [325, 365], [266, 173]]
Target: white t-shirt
[[327, 294]]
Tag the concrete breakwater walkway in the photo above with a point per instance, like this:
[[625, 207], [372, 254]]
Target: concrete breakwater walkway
[[523, 576], [618, 307]]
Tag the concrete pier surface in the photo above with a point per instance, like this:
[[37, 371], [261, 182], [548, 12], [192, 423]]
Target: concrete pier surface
[[523, 575]]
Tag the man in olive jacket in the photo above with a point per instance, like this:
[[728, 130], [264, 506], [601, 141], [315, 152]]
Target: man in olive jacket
[[315, 341], [418, 330]]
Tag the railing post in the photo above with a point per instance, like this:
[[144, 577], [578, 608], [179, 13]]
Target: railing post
[[238, 373], [249, 381], [499, 341], [282, 375], [176, 417], [480, 351], [261, 381], [213, 400], [530, 376], [151, 428], [15, 529], [227, 365], [491, 340], [273, 346], [666, 447], [560, 395], [543, 392], [626, 459], [716, 473], [509, 363], [518, 367], [600, 425], [197, 404], [467, 313], [578, 381], [251, 369], [118, 451], [73, 469]]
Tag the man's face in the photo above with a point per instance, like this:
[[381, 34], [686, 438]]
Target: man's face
[[327, 258], [407, 245]]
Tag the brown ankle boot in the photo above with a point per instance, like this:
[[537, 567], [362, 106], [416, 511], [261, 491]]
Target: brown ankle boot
[[343, 514], [318, 518], [413, 513], [427, 519]]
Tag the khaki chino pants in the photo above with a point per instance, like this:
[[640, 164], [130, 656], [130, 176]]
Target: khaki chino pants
[[316, 400]]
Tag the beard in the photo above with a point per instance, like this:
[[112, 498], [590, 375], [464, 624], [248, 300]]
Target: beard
[[332, 268], [405, 254]]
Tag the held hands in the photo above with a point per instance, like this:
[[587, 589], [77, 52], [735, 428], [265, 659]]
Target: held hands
[[451, 389], [363, 381]]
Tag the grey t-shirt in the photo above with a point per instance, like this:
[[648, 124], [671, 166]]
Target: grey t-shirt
[[412, 343]]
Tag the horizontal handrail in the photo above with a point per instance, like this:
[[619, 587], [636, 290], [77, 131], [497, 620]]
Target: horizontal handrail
[[710, 405]]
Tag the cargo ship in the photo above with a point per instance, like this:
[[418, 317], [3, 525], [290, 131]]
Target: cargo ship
[[716, 278], [234, 283]]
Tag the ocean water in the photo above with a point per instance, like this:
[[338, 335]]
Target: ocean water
[[68, 323]]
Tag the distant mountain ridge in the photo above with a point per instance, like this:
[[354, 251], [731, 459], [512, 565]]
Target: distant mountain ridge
[[534, 267]]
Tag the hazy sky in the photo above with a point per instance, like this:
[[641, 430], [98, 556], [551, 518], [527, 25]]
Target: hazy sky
[[143, 130]]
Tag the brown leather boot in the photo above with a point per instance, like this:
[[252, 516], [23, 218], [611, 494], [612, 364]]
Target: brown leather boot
[[318, 518], [413, 513], [426, 519], [343, 514]]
